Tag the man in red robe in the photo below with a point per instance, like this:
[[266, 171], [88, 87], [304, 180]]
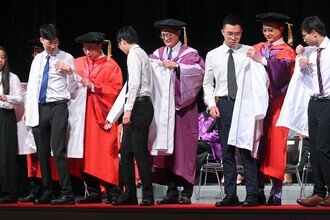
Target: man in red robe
[[102, 77], [278, 58]]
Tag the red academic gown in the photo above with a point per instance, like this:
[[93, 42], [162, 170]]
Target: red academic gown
[[272, 151], [100, 146]]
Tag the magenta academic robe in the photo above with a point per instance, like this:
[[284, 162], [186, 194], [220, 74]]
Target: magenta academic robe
[[187, 85]]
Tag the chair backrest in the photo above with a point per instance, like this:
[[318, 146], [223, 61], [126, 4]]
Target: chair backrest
[[294, 151]]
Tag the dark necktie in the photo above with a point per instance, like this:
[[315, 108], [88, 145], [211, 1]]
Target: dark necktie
[[267, 54], [169, 56], [44, 82], [231, 76], [319, 77]]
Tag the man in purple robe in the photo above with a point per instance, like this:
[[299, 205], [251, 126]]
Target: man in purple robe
[[187, 71]]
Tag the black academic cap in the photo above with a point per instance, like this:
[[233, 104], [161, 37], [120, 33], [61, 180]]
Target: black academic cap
[[35, 43], [169, 23], [91, 37], [272, 17]]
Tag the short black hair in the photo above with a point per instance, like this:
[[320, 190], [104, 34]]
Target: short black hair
[[313, 23], [128, 34], [49, 32], [5, 73], [232, 20]]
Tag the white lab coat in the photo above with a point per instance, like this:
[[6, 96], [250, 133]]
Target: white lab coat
[[250, 108]]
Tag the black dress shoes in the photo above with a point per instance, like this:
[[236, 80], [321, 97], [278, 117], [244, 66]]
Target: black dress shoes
[[228, 201], [112, 196], [250, 200], [147, 201], [29, 198], [124, 200], [169, 199], [273, 201], [8, 200], [64, 200], [90, 200], [44, 199], [261, 199], [184, 200]]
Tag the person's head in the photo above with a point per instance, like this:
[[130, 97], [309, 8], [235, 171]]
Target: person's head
[[35, 46], [232, 30], [170, 31], [4, 68], [313, 30], [49, 37], [126, 37], [92, 44], [273, 25]]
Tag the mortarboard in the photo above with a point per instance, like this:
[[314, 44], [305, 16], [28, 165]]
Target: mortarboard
[[169, 23], [94, 37], [272, 17], [172, 23], [91, 37]]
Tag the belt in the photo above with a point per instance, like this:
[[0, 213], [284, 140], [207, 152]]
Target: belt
[[55, 103], [320, 98], [227, 98], [6, 110], [142, 98]]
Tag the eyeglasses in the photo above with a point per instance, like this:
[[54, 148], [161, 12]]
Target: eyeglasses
[[232, 34], [304, 35], [167, 35]]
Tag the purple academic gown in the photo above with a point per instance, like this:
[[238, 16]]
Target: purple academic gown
[[187, 85]]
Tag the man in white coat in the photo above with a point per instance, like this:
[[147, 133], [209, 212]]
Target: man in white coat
[[52, 79], [239, 102]]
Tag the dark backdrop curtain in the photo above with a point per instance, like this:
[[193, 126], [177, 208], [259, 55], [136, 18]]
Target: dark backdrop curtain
[[21, 19]]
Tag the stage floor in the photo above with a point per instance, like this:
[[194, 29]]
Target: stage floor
[[202, 209]]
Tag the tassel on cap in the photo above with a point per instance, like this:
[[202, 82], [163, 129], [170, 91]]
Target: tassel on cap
[[185, 39], [290, 37], [109, 48]]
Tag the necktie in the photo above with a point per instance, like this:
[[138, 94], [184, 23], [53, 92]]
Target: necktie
[[319, 77], [231, 76], [44, 82], [169, 56], [268, 50]]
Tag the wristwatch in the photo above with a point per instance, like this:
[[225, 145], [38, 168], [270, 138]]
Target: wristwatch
[[176, 65]]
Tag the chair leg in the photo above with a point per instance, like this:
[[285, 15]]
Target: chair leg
[[199, 184], [300, 183], [219, 182]]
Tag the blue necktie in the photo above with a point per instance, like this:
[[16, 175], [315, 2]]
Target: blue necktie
[[44, 83], [169, 56]]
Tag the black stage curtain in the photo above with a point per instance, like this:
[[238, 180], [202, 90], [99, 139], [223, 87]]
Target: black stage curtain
[[21, 19]]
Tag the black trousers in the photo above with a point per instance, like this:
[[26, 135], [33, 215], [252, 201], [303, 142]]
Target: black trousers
[[319, 137], [49, 135], [8, 153], [226, 107], [135, 145]]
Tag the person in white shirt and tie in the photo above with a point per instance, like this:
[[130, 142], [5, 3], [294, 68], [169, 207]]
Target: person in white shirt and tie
[[52, 78], [235, 90], [315, 68]]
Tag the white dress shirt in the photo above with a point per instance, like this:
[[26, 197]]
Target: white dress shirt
[[216, 70], [139, 74], [15, 95]]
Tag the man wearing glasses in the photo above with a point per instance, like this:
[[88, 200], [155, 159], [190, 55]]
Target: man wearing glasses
[[179, 72], [235, 90]]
